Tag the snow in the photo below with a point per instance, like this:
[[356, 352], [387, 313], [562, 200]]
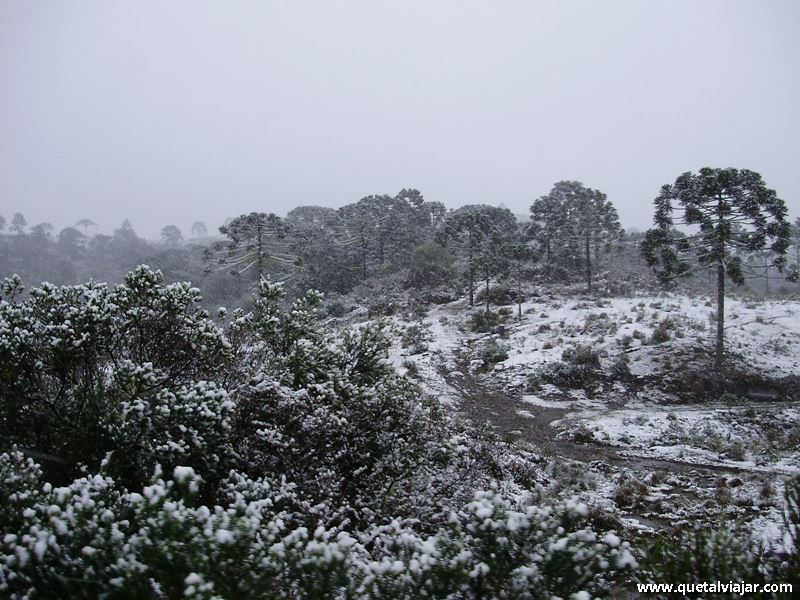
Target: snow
[[639, 424]]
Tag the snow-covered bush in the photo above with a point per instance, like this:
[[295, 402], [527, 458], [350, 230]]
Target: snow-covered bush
[[579, 368], [86, 370], [95, 539], [484, 321], [278, 459], [492, 353], [330, 413]]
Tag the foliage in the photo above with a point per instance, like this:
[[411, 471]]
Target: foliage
[[732, 211], [87, 370], [570, 223], [92, 538], [484, 322], [492, 353], [579, 368], [479, 233], [331, 414], [320, 473]]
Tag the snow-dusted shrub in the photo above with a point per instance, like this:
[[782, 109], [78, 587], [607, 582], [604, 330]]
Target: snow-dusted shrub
[[332, 415], [151, 424], [95, 539], [492, 353], [415, 337], [86, 370], [663, 332], [581, 355], [499, 295], [579, 368], [490, 550], [484, 321]]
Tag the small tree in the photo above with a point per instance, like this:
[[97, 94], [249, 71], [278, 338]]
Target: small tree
[[171, 235], [479, 229], [519, 253], [547, 224], [18, 223], [2, 224], [85, 223], [730, 211], [71, 242], [577, 218], [126, 232], [253, 240], [42, 230], [199, 230]]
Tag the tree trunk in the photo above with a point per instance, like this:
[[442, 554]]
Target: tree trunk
[[519, 292], [588, 265], [797, 258], [259, 250], [487, 292], [720, 315], [548, 268], [363, 259], [471, 276], [766, 275]]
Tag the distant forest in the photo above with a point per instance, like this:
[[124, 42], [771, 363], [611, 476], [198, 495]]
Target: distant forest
[[381, 244]]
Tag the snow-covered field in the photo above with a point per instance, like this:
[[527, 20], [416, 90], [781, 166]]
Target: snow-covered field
[[654, 444]]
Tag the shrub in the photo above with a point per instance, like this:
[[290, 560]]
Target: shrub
[[415, 338], [581, 355], [336, 309], [412, 369], [492, 353], [499, 296], [621, 369], [86, 370], [579, 369], [662, 333], [483, 321], [95, 539]]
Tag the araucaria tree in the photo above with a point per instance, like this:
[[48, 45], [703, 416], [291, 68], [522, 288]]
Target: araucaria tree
[[730, 212], [254, 239], [480, 231], [576, 219]]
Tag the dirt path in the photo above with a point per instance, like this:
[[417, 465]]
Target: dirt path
[[481, 404]]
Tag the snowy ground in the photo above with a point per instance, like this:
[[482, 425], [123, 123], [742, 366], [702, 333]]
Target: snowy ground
[[654, 446]]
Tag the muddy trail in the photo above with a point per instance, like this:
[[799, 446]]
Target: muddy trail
[[482, 404]]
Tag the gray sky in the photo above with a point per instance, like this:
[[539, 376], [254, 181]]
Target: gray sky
[[168, 112]]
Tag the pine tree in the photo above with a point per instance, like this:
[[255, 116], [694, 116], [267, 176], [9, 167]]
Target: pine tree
[[729, 211], [254, 238], [18, 224], [519, 253], [199, 230], [86, 223], [171, 235], [572, 221], [479, 231]]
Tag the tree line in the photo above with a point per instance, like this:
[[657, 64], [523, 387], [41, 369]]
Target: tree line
[[573, 232]]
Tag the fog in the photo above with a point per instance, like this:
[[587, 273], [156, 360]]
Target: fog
[[182, 111]]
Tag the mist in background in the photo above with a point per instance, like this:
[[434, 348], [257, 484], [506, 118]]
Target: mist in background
[[167, 113]]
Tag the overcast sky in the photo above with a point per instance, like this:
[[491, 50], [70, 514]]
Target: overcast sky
[[169, 112]]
